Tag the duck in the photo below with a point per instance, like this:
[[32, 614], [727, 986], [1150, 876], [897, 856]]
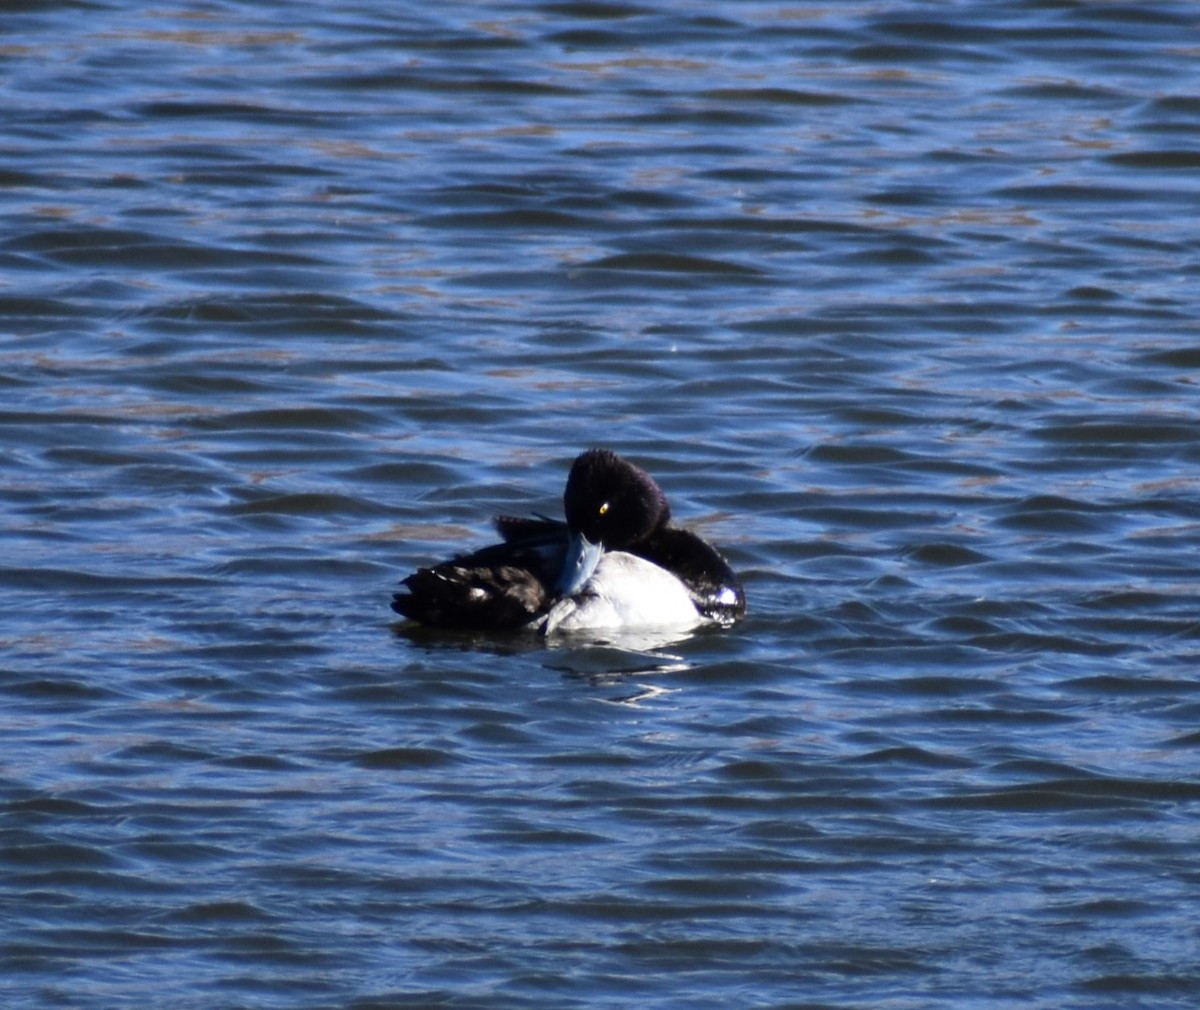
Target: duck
[[614, 563]]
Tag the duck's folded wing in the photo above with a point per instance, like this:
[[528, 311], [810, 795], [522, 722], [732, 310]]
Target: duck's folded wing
[[500, 587], [472, 596], [538, 530]]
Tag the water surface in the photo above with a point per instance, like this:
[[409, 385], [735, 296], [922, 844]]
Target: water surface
[[897, 300]]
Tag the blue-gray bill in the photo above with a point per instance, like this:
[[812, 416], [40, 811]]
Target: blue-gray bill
[[578, 565]]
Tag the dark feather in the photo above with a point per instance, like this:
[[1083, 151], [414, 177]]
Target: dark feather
[[500, 587]]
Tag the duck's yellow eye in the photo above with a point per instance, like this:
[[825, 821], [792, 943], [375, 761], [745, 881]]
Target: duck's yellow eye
[[604, 508]]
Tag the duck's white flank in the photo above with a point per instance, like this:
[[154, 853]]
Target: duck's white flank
[[625, 591]]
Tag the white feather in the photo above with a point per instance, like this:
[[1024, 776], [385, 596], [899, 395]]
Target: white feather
[[625, 591]]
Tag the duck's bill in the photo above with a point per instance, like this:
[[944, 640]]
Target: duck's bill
[[581, 560]]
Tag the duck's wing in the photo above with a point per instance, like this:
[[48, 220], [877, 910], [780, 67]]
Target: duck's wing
[[504, 586], [540, 529], [465, 594], [714, 588]]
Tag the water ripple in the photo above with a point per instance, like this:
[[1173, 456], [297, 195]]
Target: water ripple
[[896, 301]]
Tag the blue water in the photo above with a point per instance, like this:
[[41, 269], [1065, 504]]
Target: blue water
[[899, 303]]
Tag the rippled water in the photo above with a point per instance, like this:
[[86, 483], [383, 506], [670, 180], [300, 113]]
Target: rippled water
[[899, 303]]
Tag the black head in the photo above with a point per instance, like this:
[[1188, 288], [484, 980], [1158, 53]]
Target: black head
[[612, 502]]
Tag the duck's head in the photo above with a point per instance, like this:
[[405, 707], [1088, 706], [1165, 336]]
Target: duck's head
[[610, 504]]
